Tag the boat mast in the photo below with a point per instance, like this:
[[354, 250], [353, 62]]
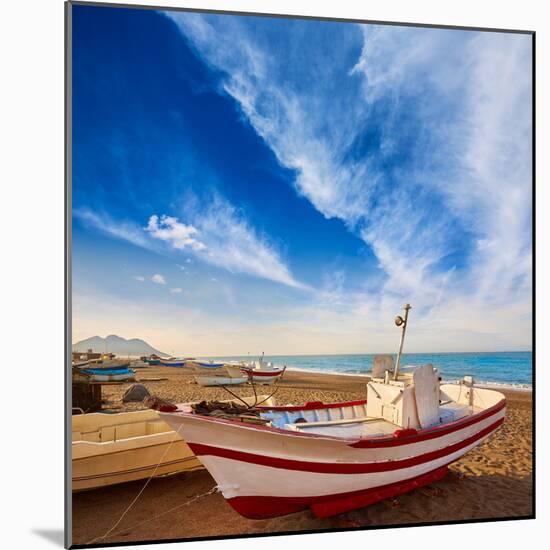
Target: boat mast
[[400, 322]]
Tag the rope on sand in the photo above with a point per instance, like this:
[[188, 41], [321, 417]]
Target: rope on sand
[[139, 494], [211, 491]]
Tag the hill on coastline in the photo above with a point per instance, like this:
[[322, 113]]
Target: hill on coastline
[[116, 344]]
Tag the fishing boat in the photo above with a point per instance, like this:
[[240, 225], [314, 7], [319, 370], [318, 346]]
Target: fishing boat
[[206, 364], [263, 372], [109, 374], [337, 457], [221, 380], [265, 377], [152, 361], [258, 372], [115, 448], [173, 362], [218, 374]]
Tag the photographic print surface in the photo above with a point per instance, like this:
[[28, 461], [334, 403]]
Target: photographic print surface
[[254, 201]]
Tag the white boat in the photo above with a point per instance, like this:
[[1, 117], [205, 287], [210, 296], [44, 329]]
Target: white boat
[[115, 448], [337, 457], [101, 373], [263, 372], [258, 372], [220, 380], [173, 362]]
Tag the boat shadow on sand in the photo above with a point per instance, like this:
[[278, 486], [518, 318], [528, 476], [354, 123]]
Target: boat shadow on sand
[[169, 509]]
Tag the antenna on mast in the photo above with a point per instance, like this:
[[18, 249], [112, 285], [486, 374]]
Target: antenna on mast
[[400, 322]]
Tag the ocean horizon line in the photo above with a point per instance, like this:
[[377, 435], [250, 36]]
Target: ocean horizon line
[[362, 353]]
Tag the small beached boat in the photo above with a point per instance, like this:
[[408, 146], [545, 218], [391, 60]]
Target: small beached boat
[[258, 372], [337, 457], [263, 372], [115, 448], [266, 377], [103, 372], [221, 380], [172, 362], [218, 374], [205, 364]]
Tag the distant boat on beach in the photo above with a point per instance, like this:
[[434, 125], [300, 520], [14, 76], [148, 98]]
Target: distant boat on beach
[[205, 364], [262, 372], [173, 362], [116, 373], [337, 457], [221, 380]]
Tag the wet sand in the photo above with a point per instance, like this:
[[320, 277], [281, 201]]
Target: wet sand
[[492, 481]]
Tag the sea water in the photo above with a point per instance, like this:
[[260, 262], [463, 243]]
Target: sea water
[[513, 369]]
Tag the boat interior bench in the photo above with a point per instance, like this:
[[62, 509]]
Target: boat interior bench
[[349, 427], [122, 431]]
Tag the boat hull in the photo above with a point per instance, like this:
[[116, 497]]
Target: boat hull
[[264, 472], [329, 505], [124, 377], [220, 380], [264, 377], [120, 465]]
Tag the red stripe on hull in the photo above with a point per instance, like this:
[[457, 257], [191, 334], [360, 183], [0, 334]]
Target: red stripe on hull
[[430, 433], [253, 372], [261, 507], [339, 468]]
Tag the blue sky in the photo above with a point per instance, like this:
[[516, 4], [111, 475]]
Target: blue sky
[[256, 184]]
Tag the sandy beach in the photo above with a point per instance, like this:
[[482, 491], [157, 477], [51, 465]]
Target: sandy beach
[[492, 481]]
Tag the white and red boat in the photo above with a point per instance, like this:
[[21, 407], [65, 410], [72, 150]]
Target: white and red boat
[[262, 372], [336, 457]]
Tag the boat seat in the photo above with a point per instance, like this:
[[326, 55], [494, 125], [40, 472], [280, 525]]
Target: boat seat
[[361, 427], [360, 419], [450, 411]]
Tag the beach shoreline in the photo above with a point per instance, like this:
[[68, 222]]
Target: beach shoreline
[[492, 481]]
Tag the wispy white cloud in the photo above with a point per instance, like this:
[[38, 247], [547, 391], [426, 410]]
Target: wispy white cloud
[[158, 279], [218, 234], [176, 290], [117, 228], [139, 278], [176, 234], [231, 243], [469, 175]]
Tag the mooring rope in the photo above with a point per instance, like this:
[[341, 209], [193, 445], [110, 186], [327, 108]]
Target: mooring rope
[[140, 492], [211, 491]]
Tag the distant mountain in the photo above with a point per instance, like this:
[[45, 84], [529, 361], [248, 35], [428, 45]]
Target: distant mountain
[[116, 344]]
